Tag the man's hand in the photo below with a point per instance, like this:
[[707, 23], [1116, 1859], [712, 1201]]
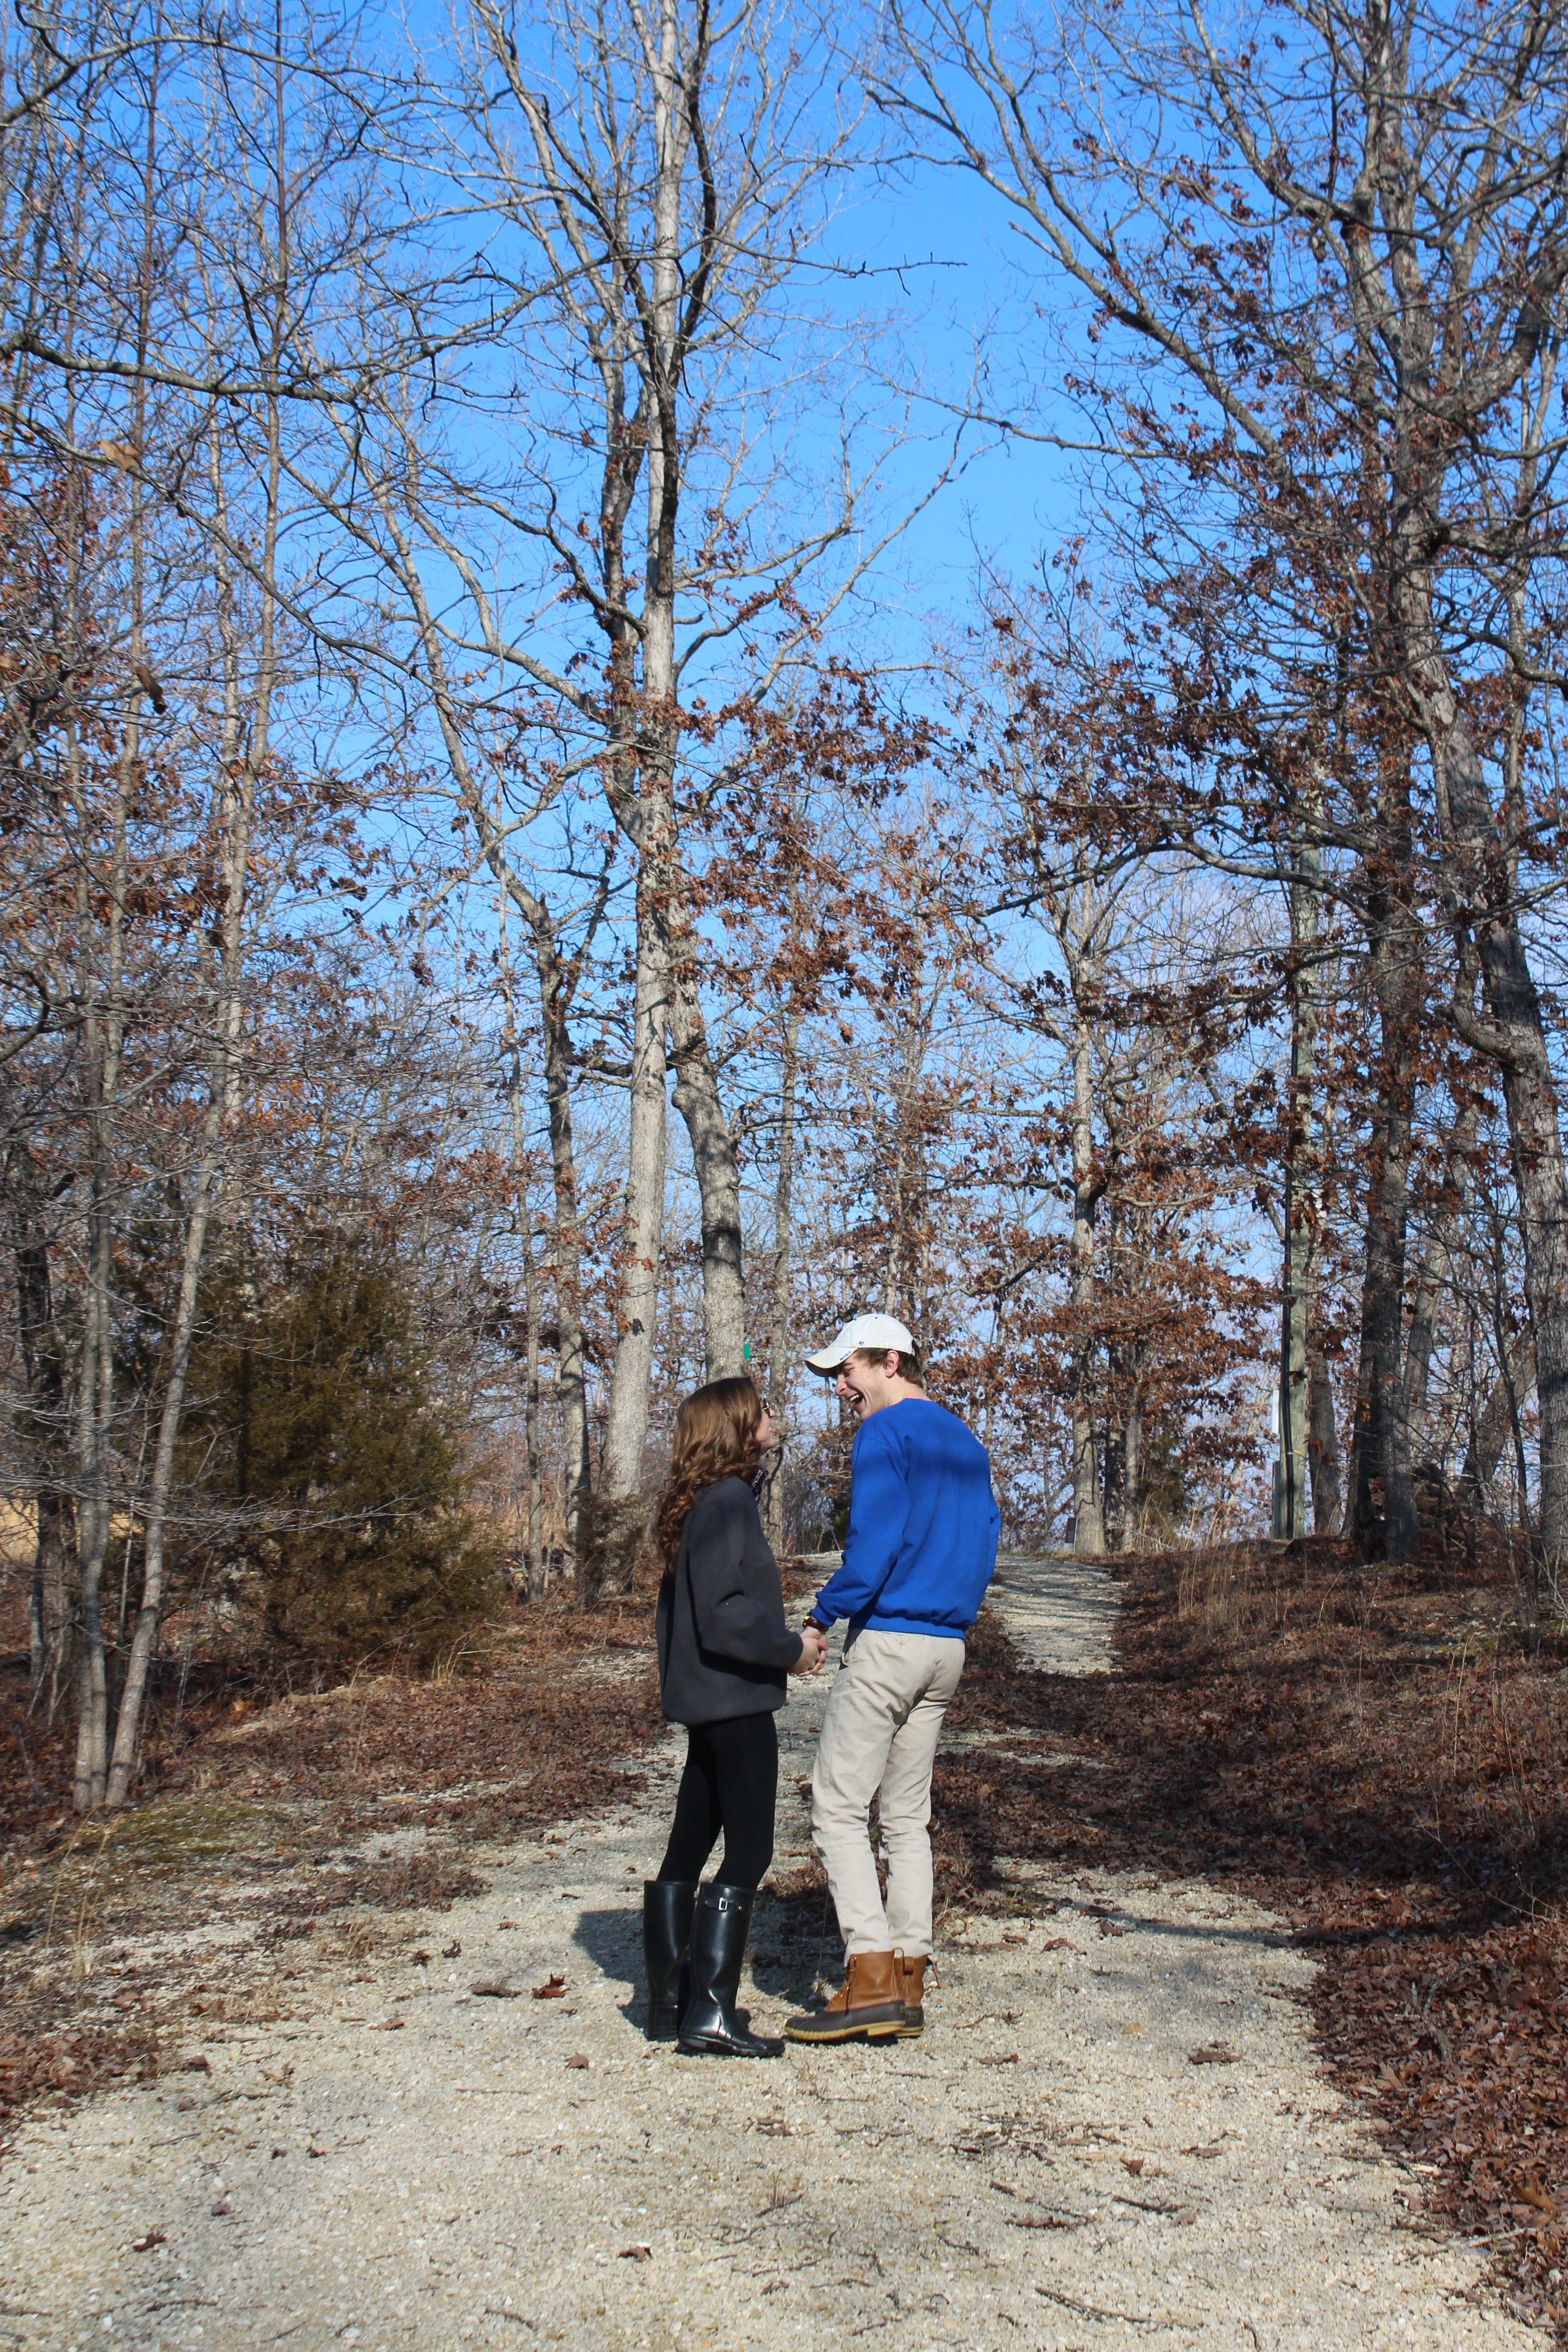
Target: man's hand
[[816, 1650]]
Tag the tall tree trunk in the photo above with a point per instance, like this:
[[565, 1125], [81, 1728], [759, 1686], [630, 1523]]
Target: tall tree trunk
[[676, 101], [783, 1242], [534, 1554], [89, 1783], [43, 1431], [573, 1418], [1514, 1035], [533, 1570], [717, 1169], [245, 744], [103, 1037], [1432, 1289], [1088, 1505], [642, 1237], [1478, 878], [1133, 1457], [1299, 1203], [555, 1005], [1396, 978], [143, 1640], [97, 1405], [903, 1290], [1324, 1447]]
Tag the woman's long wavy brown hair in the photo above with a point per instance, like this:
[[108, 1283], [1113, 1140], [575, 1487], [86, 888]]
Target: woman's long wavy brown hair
[[715, 1437]]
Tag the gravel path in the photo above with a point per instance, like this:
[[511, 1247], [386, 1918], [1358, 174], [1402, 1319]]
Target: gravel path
[[377, 2157], [1059, 1612]]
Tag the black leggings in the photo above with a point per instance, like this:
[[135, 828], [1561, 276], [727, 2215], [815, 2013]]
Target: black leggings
[[730, 1783]]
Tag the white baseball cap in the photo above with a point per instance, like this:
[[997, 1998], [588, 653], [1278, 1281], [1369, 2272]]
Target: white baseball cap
[[878, 1331]]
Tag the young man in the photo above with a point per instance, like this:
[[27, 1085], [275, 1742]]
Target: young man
[[919, 1555]]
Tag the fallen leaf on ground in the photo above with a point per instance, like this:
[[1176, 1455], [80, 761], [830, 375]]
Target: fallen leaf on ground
[[1061, 1944], [499, 1991], [390, 2025], [145, 2245], [222, 2206], [552, 1989], [504, 1923], [1214, 2148], [636, 2254], [577, 2059], [1010, 2060], [198, 2065], [1214, 2053], [1133, 2164], [451, 1951], [1044, 2222]]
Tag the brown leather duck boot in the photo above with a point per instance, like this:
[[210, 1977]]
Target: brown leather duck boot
[[912, 1979], [869, 2001]]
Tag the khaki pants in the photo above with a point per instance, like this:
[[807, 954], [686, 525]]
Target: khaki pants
[[878, 1740]]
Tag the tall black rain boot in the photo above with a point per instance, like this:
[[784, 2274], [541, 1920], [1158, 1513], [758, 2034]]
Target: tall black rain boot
[[667, 1905], [708, 2022]]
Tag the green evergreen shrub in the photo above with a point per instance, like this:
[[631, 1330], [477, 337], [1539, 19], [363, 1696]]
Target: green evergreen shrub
[[332, 1464]]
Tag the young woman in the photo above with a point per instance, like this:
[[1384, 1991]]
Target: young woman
[[724, 1658]]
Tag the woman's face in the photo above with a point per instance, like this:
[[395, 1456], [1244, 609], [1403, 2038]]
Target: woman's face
[[765, 1431]]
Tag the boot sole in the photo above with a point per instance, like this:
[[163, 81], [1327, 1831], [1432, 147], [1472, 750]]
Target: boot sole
[[722, 2050], [884, 2030]]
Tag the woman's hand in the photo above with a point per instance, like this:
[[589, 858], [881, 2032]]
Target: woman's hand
[[813, 1651]]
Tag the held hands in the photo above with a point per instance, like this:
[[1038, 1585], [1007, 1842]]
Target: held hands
[[816, 1650]]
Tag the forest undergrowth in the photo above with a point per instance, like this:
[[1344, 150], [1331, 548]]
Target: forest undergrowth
[[1373, 1751]]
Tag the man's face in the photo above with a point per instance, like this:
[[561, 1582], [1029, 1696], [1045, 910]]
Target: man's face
[[865, 1386]]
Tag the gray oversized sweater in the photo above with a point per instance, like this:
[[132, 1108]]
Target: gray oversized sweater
[[724, 1647]]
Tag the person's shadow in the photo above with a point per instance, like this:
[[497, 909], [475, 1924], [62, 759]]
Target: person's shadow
[[782, 1965], [612, 1940]]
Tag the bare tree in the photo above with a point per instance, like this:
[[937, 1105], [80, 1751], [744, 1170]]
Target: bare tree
[[630, 563], [1356, 265]]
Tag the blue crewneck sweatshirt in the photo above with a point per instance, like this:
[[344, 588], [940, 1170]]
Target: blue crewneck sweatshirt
[[923, 1526]]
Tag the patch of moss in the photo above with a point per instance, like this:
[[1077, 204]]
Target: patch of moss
[[187, 1828]]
